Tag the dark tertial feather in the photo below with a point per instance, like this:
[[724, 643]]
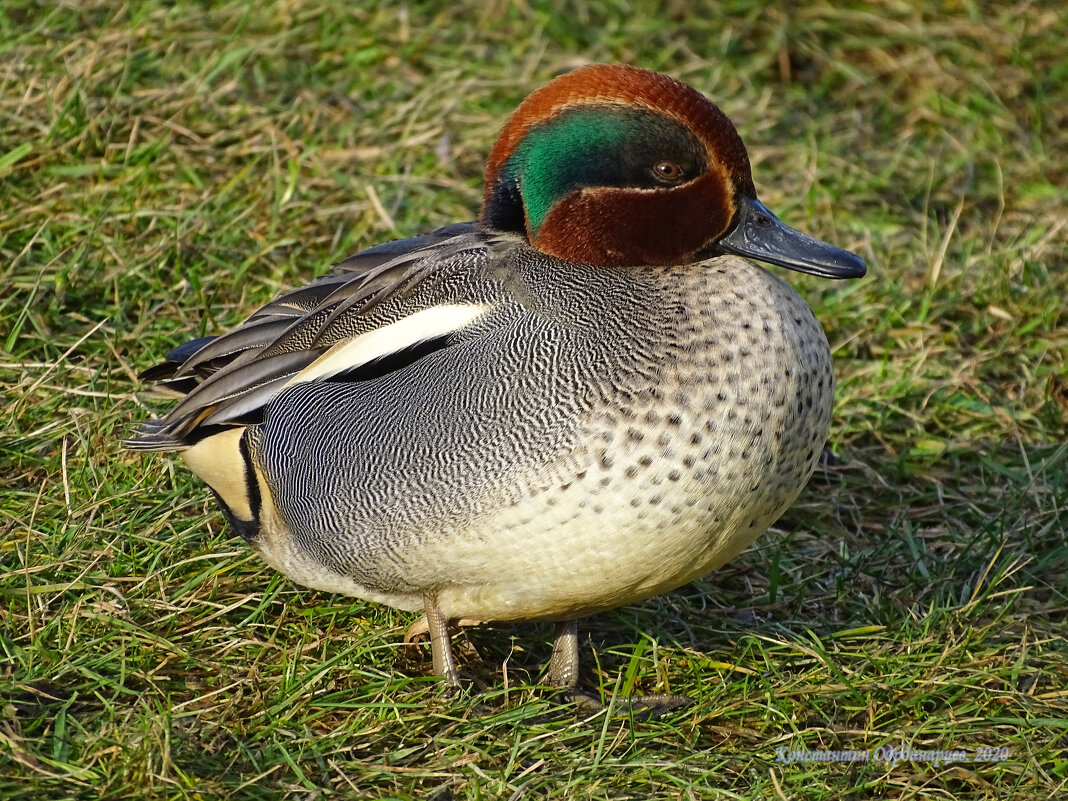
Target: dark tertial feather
[[175, 360], [249, 337]]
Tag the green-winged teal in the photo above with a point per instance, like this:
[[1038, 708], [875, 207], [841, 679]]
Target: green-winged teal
[[584, 398]]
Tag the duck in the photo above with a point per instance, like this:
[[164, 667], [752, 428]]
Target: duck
[[590, 395]]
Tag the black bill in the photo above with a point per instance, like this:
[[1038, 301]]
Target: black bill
[[761, 235]]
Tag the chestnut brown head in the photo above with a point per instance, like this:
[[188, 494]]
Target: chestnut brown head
[[617, 166]]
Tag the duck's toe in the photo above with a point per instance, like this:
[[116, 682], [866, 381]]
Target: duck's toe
[[656, 705], [640, 707]]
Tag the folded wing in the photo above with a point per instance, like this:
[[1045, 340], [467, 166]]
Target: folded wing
[[371, 313]]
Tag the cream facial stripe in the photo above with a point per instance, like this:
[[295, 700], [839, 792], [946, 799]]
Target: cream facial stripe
[[427, 324]]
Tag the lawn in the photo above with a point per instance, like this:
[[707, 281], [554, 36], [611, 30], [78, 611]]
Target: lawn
[[167, 167]]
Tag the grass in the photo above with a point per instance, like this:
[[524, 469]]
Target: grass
[[167, 167]]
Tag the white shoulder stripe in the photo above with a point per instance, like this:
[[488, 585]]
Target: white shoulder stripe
[[419, 327]]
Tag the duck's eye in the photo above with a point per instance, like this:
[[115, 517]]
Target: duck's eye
[[667, 171]]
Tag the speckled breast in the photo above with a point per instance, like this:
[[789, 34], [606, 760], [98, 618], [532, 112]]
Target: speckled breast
[[712, 406]]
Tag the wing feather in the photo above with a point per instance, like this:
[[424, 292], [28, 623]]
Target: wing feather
[[357, 313]]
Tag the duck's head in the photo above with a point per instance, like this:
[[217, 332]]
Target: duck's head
[[617, 166]]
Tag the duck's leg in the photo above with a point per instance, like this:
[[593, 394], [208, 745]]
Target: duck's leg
[[563, 673], [563, 665], [563, 668], [440, 647]]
